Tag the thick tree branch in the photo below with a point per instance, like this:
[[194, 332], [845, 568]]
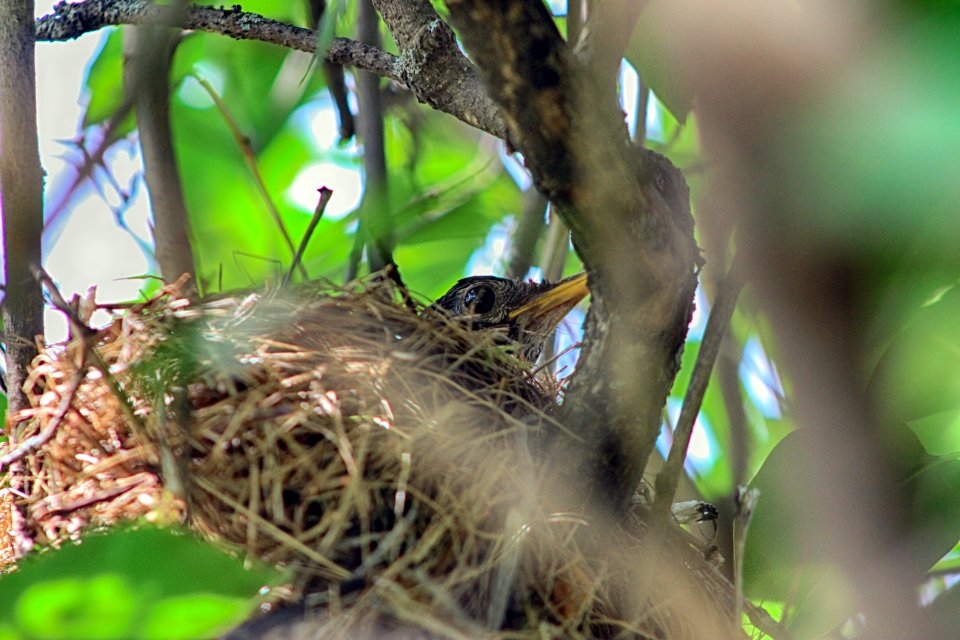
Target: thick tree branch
[[430, 66], [629, 213], [21, 195], [604, 38], [433, 66]]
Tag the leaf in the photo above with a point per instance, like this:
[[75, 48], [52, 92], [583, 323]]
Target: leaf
[[648, 56], [783, 559], [122, 583], [945, 610], [104, 84], [193, 616], [101, 607], [939, 433], [780, 561]]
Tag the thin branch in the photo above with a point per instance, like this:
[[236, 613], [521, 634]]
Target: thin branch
[[80, 329], [728, 379], [605, 36], [374, 209], [640, 113], [251, 159], [333, 73], [325, 195], [21, 200], [431, 64], [669, 478], [552, 261], [91, 160], [33, 443], [523, 241], [746, 501], [148, 57], [72, 20]]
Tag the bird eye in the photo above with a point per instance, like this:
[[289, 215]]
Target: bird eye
[[480, 299]]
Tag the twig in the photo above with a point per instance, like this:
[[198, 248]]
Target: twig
[[33, 443], [552, 259], [333, 73], [449, 83], [548, 364], [726, 302], [250, 158], [72, 20], [85, 333], [374, 210], [746, 500], [90, 160], [325, 195], [526, 233]]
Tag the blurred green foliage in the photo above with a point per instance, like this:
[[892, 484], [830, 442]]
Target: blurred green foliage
[[126, 584], [875, 164]]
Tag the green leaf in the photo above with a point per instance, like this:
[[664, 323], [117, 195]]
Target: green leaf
[[939, 433], [945, 610], [120, 584], [193, 616], [782, 559], [935, 515], [101, 607], [104, 84], [648, 56]]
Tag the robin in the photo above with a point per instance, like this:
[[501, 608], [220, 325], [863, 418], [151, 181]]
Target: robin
[[527, 312]]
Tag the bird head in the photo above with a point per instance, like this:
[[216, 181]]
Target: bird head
[[528, 312]]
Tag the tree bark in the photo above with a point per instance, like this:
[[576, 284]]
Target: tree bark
[[147, 77], [432, 66], [374, 210], [21, 195], [628, 210]]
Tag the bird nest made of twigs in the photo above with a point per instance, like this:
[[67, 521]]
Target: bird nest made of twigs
[[384, 455]]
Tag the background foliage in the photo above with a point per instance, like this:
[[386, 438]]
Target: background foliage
[[879, 183]]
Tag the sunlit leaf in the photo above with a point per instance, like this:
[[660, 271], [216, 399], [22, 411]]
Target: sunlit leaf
[[121, 584], [104, 83], [193, 616], [96, 608]]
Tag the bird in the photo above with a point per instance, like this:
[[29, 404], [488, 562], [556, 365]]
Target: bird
[[526, 312], [333, 430]]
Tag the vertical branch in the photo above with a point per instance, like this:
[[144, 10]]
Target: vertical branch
[[374, 209], [643, 103], [333, 73], [551, 263], [21, 202], [21, 194], [575, 11], [628, 210], [726, 302], [147, 70], [525, 236]]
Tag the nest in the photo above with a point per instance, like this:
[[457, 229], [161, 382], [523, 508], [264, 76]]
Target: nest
[[387, 458]]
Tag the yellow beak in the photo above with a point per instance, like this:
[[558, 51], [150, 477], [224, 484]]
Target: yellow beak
[[557, 301]]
